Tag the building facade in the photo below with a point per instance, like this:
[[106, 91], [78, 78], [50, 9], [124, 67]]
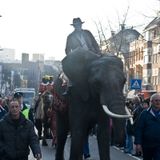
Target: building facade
[[144, 59], [135, 59], [38, 57], [7, 55]]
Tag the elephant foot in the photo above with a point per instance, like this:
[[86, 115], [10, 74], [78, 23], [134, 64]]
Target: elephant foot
[[44, 143]]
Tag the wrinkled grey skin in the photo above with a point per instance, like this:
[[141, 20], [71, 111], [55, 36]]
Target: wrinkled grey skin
[[96, 81], [62, 120]]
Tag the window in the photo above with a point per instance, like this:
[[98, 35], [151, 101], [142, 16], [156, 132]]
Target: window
[[154, 58], [147, 59], [155, 80], [158, 75]]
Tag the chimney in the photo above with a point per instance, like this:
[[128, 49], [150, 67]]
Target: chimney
[[25, 58], [122, 26], [112, 33]]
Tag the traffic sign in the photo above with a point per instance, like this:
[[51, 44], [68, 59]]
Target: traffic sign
[[136, 84]]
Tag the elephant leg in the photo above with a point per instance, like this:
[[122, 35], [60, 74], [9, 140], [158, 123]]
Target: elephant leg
[[78, 133], [77, 142], [103, 137], [79, 122], [62, 128]]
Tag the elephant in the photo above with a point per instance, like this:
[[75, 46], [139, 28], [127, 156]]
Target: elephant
[[97, 89]]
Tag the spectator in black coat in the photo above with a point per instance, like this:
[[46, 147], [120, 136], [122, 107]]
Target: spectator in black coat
[[2, 112], [147, 132], [129, 131], [138, 108], [17, 134]]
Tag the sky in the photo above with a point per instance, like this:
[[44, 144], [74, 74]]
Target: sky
[[42, 26]]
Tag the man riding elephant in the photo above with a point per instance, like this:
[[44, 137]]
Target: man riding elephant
[[81, 38]]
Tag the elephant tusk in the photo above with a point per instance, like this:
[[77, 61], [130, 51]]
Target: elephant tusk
[[128, 112], [105, 108]]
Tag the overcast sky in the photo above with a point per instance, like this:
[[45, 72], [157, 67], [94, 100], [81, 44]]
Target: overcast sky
[[41, 26]]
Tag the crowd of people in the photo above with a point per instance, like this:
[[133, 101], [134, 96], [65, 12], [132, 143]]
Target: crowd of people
[[135, 106], [142, 136]]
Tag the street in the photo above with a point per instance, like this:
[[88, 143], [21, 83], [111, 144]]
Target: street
[[116, 154]]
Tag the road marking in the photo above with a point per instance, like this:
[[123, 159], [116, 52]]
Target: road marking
[[127, 154]]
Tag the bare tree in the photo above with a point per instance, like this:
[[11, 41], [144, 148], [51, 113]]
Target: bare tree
[[117, 42]]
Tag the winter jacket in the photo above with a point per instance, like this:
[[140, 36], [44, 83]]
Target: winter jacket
[[2, 112], [147, 131], [29, 115], [16, 137]]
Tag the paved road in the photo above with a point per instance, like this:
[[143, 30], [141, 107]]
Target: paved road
[[116, 154]]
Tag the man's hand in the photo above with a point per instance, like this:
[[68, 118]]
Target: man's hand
[[38, 156]]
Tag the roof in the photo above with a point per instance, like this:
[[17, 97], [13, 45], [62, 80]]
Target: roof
[[155, 22], [122, 39]]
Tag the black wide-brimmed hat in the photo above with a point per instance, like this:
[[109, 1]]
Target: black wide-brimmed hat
[[77, 21], [18, 95]]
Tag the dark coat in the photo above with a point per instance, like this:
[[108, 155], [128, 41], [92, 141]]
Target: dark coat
[[2, 112], [129, 128], [73, 42], [147, 131], [15, 138], [136, 114]]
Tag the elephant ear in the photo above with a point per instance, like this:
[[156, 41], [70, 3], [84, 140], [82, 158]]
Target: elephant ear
[[75, 66]]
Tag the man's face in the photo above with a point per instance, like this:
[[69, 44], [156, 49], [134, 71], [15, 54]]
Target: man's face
[[78, 26], [14, 108], [156, 102]]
